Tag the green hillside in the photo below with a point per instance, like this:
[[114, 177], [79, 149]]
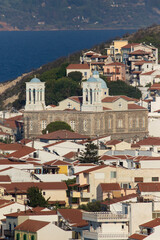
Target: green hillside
[[79, 14]]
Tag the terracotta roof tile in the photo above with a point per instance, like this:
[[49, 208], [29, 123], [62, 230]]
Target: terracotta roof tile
[[155, 86], [73, 216], [135, 106], [70, 155], [149, 187], [93, 169], [120, 199], [107, 187], [32, 212], [150, 141], [113, 142], [31, 225], [57, 163], [63, 135], [76, 98], [22, 152], [151, 224], [129, 45], [78, 66], [4, 178], [147, 73], [136, 236], [139, 52]]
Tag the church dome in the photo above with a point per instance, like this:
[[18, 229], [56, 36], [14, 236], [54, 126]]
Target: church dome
[[95, 78], [35, 80]]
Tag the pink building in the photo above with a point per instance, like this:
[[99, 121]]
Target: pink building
[[115, 71]]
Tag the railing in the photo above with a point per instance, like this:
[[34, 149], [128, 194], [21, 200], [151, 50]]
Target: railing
[[104, 216], [94, 235], [85, 194], [75, 194], [9, 233]]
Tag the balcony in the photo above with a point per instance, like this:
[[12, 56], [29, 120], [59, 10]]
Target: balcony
[[85, 194], [97, 235], [75, 194], [105, 217], [9, 233]]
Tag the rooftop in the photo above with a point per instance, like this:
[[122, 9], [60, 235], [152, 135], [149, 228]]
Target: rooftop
[[31, 225]]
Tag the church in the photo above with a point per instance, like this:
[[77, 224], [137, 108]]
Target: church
[[96, 113]]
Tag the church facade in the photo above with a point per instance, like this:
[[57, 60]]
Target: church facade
[[98, 114]]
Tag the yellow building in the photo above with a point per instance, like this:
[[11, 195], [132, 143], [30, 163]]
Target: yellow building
[[115, 47]]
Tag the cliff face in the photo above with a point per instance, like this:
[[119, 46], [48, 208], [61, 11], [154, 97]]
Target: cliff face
[[82, 14]]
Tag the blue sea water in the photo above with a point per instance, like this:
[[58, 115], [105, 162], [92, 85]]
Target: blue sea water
[[21, 52]]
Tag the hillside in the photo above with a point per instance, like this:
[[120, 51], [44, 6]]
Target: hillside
[[84, 14], [59, 87]]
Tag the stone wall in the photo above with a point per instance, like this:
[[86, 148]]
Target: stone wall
[[119, 124]]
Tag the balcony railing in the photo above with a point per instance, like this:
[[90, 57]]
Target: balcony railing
[[75, 194], [105, 216], [96, 235], [9, 233], [85, 194]]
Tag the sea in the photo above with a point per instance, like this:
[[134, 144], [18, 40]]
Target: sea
[[22, 52]]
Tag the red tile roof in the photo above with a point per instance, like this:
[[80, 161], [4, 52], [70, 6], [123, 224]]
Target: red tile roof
[[31, 226], [135, 106], [22, 152], [23, 186], [142, 62], [4, 178], [149, 187], [77, 99], [107, 157], [57, 163], [115, 64], [147, 73], [129, 45], [151, 224], [32, 212], [25, 141], [93, 169], [11, 146], [107, 187], [113, 142], [150, 141], [120, 199], [115, 98], [63, 135], [78, 66], [139, 52], [136, 236], [70, 155], [155, 86], [73, 216]]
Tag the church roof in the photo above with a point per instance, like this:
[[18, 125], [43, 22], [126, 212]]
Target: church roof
[[95, 78], [35, 80]]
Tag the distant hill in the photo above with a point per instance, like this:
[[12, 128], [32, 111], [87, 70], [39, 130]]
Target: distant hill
[[78, 14]]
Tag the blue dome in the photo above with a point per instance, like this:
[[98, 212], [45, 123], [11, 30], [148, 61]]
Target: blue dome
[[95, 78], [35, 80]]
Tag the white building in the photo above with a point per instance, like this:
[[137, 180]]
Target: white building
[[35, 95]]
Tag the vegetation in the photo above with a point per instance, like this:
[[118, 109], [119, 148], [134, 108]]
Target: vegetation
[[91, 206], [68, 183], [75, 76], [34, 195], [55, 126], [90, 154], [71, 14]]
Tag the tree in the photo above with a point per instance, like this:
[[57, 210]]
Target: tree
[[91, 206], [34, 195], [90, 154], [55, 126], [75, 76]]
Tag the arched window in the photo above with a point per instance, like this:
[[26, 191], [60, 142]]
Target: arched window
[[34, 96], [32, 237], [25, 237], [41, 94], [29, 95], [90, 96], [38, 95], [94, 95], [87, 95], [18, 236]]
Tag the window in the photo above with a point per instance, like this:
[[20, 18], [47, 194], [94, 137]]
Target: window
[[31, 125], [32, 237], [25, 237], [18, 236], [120, 123], [44, 193], [137, 122], [121, 164], [138, 179], [122, 226], [72, 123], [109, 123], [155, 179], [43, 124], [85, 74], [113, 174], [85, 125]]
